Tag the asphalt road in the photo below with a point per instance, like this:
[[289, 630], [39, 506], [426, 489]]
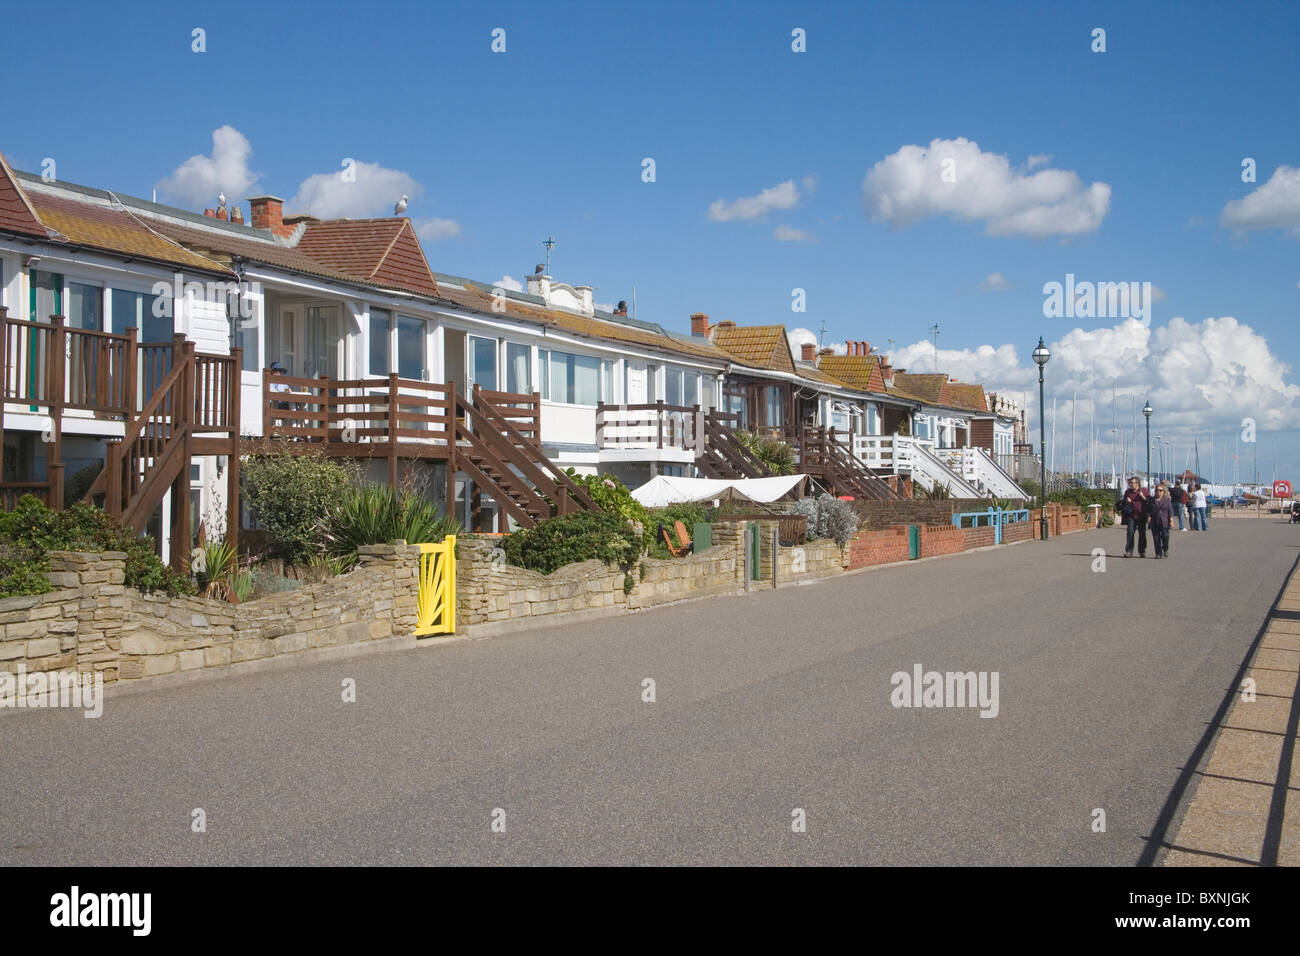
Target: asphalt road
[[764, 703]]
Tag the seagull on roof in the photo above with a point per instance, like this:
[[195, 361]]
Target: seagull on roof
[[400, 207], [221, 199]]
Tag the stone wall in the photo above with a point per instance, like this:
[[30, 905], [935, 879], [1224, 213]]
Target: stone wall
[[95, 623], [489, 591]]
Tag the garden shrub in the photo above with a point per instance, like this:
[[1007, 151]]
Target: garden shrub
[[290, 496], [828, 518], [377, 514], [31, 531], [572, 538], [776, 456]]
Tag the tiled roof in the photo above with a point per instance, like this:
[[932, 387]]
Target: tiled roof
[[811, 372], [965, 395], [114, 230], [385, 251], [480, 300], [758, 346], [923, 387], [16, 212], [222, 245], [856, 371]]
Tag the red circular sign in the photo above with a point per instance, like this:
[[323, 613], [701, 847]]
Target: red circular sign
[[1281, 489]]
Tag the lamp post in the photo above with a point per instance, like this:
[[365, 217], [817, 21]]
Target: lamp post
[[1041, 355], [1147, 410], [1160, 456]]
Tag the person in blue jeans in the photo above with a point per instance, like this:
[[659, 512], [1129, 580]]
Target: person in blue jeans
[[1178, 496], [1198, 509]]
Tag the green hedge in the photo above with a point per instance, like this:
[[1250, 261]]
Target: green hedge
[[577, 537], [31, 531]]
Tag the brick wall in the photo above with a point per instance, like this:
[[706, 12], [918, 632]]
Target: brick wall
[[981, 537], [878, 547], [944, 539], [1020, 531], [877, 515], [93, 622], [1061, 519]]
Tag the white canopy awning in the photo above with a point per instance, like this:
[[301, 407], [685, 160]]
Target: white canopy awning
[[662, 490]]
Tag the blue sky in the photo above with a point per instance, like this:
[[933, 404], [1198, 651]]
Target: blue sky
[[548, 138]]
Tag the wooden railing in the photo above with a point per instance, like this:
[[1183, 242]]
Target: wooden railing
[[51, 365], [217, 392], [11, 491], [524, 412], [355, 411], [722, 454], [655, 425]]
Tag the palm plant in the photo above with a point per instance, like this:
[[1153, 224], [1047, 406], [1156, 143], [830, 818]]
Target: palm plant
[[377, 514], [216, 569]]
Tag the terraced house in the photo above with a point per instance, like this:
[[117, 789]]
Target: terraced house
[[138, 340]]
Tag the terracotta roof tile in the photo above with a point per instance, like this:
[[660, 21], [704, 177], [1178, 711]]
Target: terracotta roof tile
[[857, 371], [16, 212], [386, 251], [965, 395], [758, 346]]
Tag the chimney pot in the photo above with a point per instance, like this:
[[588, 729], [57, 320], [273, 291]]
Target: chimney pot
[[210, 213], [237, 214]]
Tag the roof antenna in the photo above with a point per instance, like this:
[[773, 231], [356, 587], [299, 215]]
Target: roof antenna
[[548, 242], [821, 335], [934, 330]]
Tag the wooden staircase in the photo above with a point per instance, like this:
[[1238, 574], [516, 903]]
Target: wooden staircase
[[723, 455], [498, 446], [153, 456], [824, 456]]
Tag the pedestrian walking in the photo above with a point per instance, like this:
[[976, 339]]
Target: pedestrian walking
[[1133, 508], [1198, 509], [1161, 507], [1178, 497]]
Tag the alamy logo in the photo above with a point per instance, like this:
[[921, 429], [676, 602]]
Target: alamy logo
[[103, 909], [1100, 300], [46, 689], [922, 688]]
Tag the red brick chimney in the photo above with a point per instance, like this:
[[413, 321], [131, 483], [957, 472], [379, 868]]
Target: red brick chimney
[[809, 350], [700, 324], [267, 212]]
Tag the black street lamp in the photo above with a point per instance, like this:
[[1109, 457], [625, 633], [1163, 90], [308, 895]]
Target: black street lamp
[[1041, 355], [1147, 410]]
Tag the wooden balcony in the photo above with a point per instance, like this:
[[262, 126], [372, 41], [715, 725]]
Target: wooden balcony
[[655, 425]]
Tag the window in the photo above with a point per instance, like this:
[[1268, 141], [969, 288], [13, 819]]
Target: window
[[607, 381], [381, 324], [47, 295], [544, 373], [85, 307], [245, 329], [673, 386], [691, 389], [519, 369], [922, 426], [136, 310], [410, 348], [774, 402], [483, 363], [839, 416], [873, 420], [652, 383], [573, 379]]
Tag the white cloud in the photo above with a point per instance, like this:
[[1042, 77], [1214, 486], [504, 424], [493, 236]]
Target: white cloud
[[196, 182], [995, 282], [911, 185], [372, 193], [809, 185], [1157, 293], [797, 337], [604, 306], [433, 230], [1199, 376], [1038, 159], [749, 208], [1274, 205], [790, 234], [509, 284]]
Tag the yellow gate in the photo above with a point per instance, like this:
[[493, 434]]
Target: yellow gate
[[436, 597]]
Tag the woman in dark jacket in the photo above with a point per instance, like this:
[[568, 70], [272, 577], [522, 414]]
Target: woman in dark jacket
[[1161, 508]]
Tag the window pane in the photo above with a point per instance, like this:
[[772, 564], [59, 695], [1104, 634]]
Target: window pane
[[543, 370], [559, 377], [410, 348], [673, 386], [85, 307], [651, 381], [380, 325], [691, 391], [483, 362], [519, 377], [586, 379], [607, 381], [48, 289]]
